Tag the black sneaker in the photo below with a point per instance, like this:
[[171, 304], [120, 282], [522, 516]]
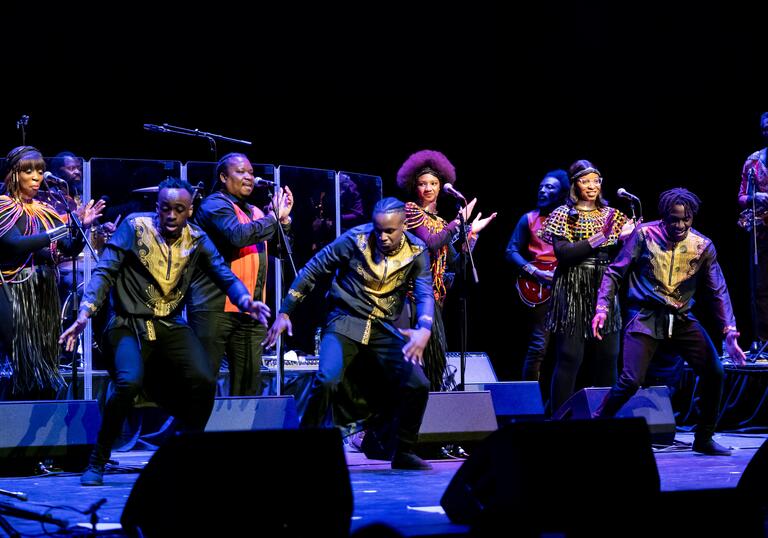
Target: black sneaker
[[409, 461], [710, 448], [93, 476]]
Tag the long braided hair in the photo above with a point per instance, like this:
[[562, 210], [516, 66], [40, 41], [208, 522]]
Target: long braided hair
[[678, 196]]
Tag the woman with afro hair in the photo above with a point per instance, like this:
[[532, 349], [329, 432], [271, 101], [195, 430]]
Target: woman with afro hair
[[422, 176]]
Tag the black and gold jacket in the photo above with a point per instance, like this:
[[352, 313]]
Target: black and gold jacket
[[663, 277], [148, 277], [369, 288]]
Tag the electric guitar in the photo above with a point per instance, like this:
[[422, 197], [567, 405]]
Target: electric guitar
[[531, 291]]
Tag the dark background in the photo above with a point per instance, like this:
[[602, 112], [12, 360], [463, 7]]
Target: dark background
[[656, 95]]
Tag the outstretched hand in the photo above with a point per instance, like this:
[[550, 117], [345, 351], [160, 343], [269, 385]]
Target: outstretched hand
[[413, 350], [467, 210], [597, 324], [282, 323], [608, 223], [735, 352], [282, 201], [628, 228], [480, 223], [256, 309], [69, 337], [90, 212]]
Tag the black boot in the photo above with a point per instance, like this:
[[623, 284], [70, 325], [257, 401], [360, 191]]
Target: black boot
[[406, 458], [94, 473], [706, 445]]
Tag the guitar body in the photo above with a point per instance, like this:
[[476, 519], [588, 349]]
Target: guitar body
[[531, 291]]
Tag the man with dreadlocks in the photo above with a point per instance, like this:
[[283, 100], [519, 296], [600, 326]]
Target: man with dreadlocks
[[373, 265], [666, 261]]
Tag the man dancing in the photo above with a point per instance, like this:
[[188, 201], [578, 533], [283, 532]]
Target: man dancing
[[374, 266], [666, 261], [149, 263]]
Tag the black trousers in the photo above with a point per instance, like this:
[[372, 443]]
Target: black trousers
[[173, 369], [406, 383], [689, 340], [240, 337], [571, 349], [538, 342]]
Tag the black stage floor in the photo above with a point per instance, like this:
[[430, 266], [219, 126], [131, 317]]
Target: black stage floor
[[408, 501]]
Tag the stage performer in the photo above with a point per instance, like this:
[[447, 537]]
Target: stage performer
[[422, 176], [667, 261], [535, 262], [374, 265], [585, 233], [33, 237], [148, 264], [240, 231]]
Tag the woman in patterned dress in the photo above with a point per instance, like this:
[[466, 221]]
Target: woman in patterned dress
[[585, 233], [422, 177], [32, 237]]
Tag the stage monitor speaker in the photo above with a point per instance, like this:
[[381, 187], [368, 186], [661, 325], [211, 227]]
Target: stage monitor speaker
[[286, 483], [458, 416], [652, 404], [554, 476], [253, 413], [450, 417], [60, 433], [478, 368], [514, 400]]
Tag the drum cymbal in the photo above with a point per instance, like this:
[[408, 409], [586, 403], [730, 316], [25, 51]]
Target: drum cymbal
[[146, 189]]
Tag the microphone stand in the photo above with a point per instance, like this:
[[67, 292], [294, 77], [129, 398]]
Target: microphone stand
[[211, 137], [465, 255], [283, 245], [21, 125], [755, 350], [75, 227]]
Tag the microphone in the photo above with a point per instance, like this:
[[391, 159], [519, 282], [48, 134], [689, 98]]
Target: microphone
[[54, 179], [448, 188], [155, 128], [624, 193], [258, 182], [95, 506]]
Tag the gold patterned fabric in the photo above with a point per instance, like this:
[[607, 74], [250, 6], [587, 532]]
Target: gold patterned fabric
[[663, 277], [674, 263], [416, 218], [583, 226], [149, 277], [368, 287], [164, 262], [382, 275]]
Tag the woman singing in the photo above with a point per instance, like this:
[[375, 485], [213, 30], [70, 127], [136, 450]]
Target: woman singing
[[422, 176], [585, 234], [32, 238]]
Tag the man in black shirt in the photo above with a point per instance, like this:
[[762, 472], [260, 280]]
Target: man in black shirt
[[666, 261], [373, 266], [148, 266], [240, 232]]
